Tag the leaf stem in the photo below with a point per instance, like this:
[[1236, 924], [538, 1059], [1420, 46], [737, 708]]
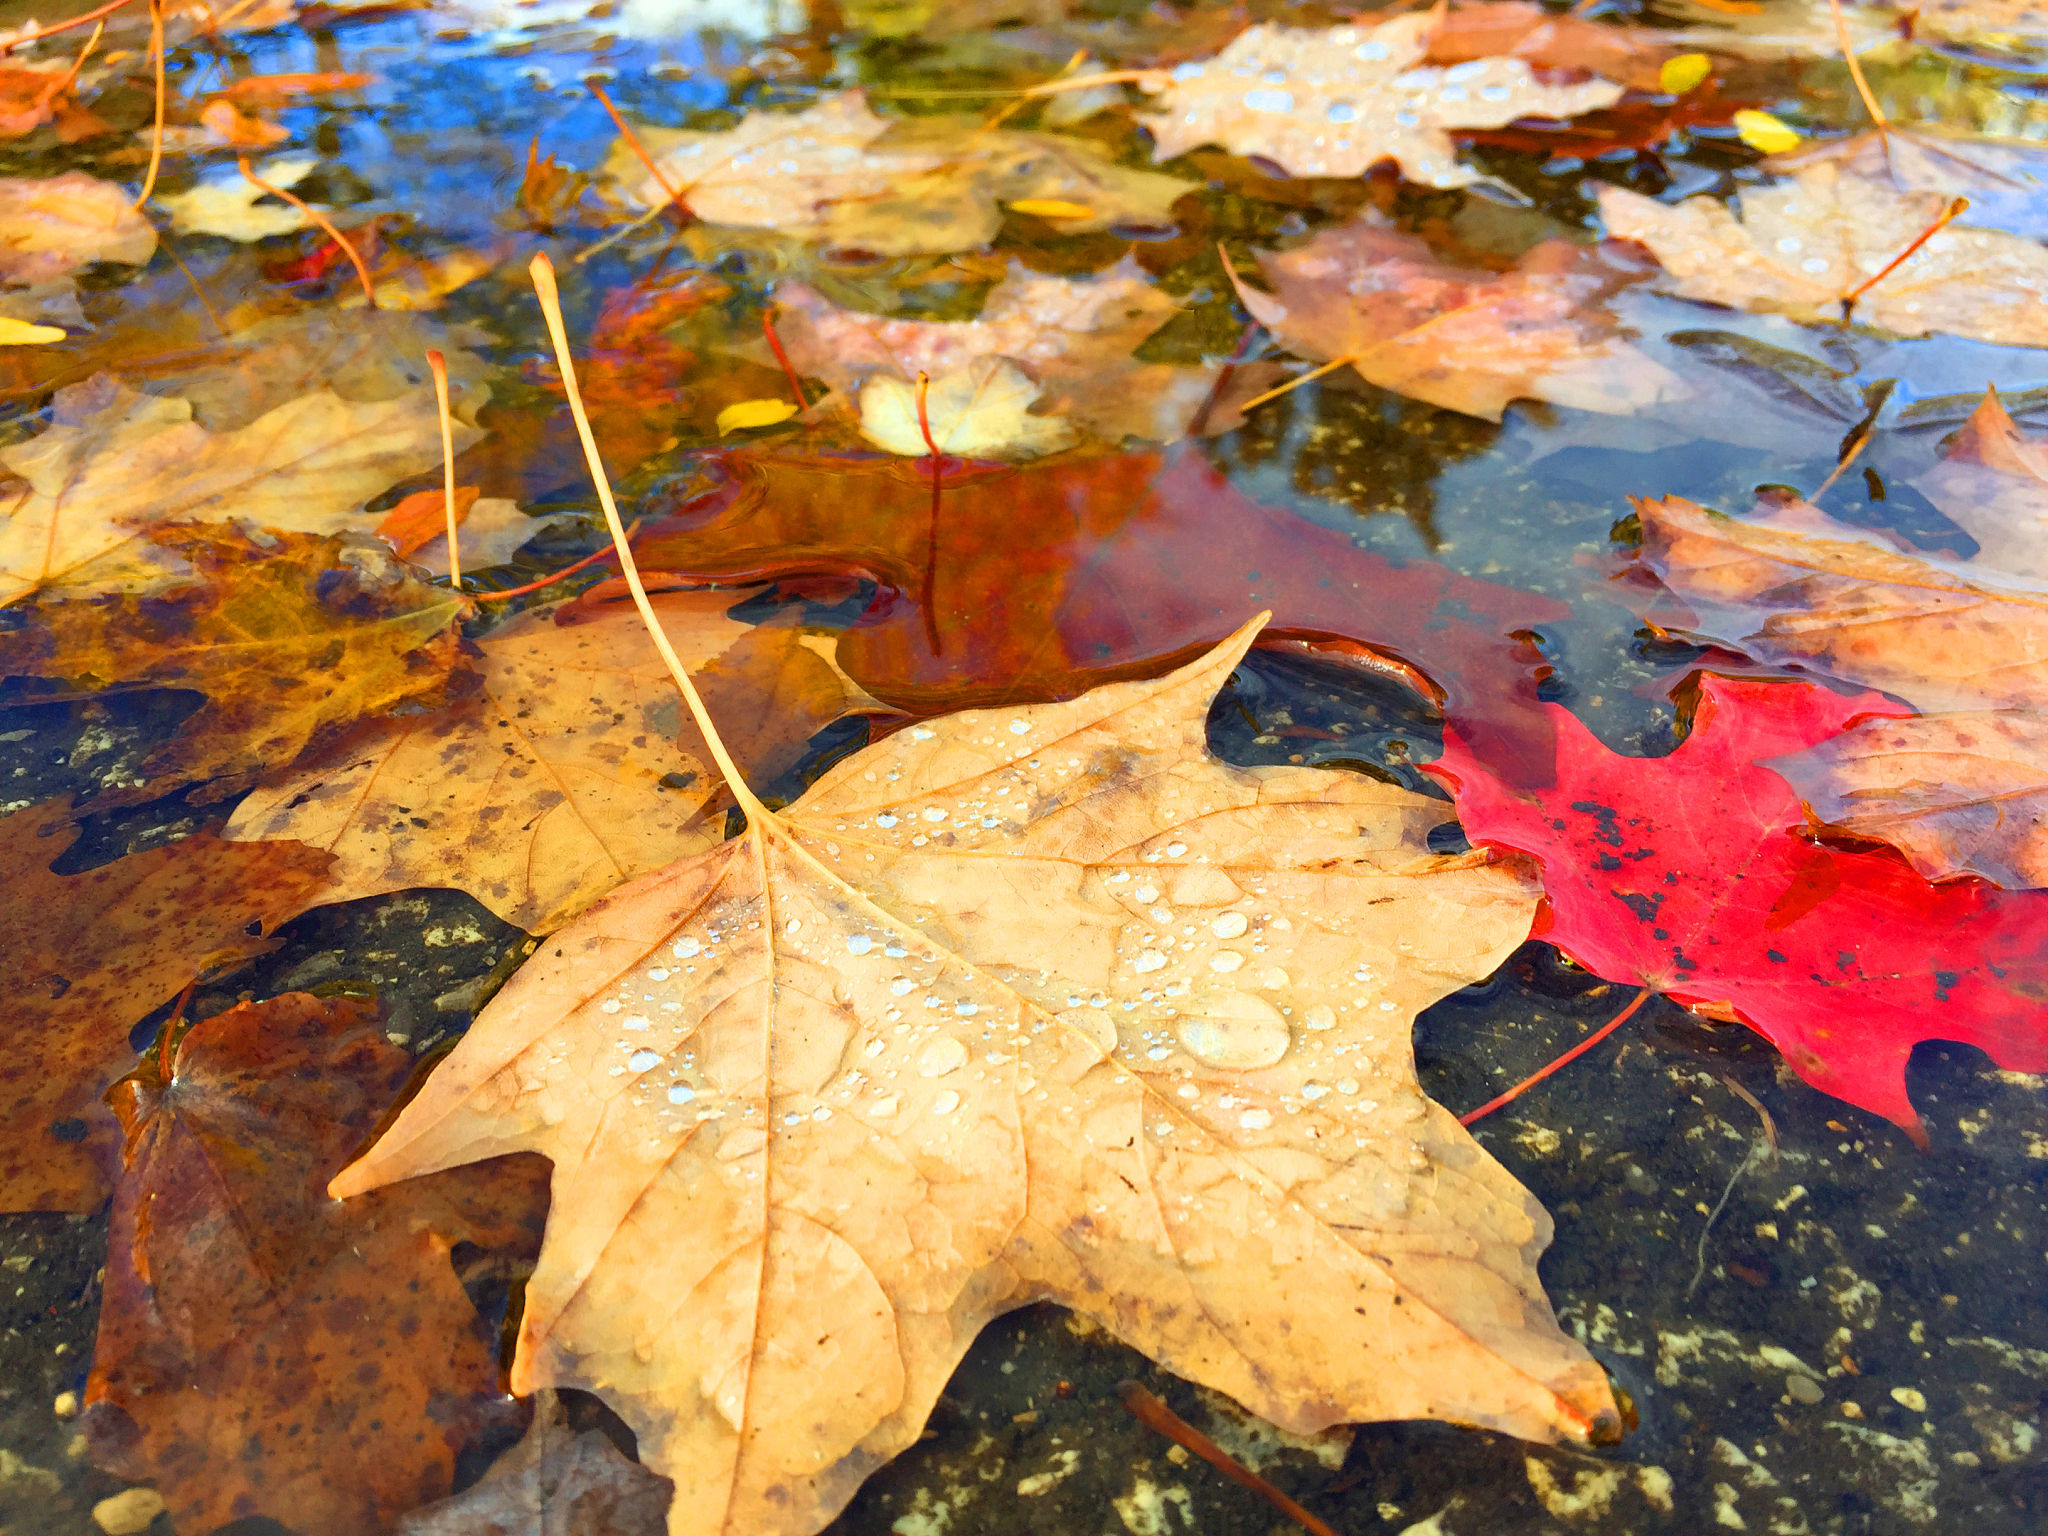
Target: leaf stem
[[632, 532], [543, 273], [327, 227], [796, 385], [1642, 996], [439, 365], [633, 142], [1949, 215], [156, 135], [65, 26], [1280, 389]]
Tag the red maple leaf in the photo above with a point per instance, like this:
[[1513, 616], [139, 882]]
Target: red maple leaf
[[1038, 582], [1691, 875]]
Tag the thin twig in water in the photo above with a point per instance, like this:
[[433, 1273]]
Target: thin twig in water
[[1150, 1411], [65, 26], [1768, 1142]]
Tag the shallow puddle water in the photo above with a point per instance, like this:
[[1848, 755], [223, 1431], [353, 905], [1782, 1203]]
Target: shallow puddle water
[[1427, 409]]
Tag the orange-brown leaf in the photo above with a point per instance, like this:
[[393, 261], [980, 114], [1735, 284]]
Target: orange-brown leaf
[[273, 89], [1023, 1004], [261, 1350], [88, 955], [419, 519], [290, 637]]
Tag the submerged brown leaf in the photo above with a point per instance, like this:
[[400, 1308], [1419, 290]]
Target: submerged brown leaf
[[89, 955], [1074, 336], [1032, 1003], [115, 464], [570, 770], [54, 225], [838, 173], [1467, 341], [262, 1350], [290, 637], [1801, 248]]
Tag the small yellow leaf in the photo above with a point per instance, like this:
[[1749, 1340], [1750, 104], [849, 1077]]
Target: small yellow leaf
[[1053, 208], [1680, 74], [753, 413], [26, 333], [1764, 133]]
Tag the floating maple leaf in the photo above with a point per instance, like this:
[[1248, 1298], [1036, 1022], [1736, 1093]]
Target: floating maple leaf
[[836, 172], [1337, 101], [2006, 180], [1041, 581], [1074, 336], [55, 225], [1686, 874], [254, 1336], [1957, 793], [89, 955], [566, 773], [1468, 341], [114, 463], [1805, 247], [1546, 40], [865, 1075], [1791, 585], [290, 637]]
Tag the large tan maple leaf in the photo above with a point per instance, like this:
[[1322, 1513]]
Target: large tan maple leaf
[[1021, 1004]]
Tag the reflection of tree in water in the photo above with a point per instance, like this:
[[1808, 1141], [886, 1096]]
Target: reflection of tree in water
[[1375, 451]]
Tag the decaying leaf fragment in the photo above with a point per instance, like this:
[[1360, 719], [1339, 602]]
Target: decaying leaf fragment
[[115, 462], [89, 955], [256, 1338], [568, 771], [54, 225], [1802, 247], [1466, 341], [290, 637], [1338, 100], [231, 206], [554, 1482], [838, 173], [1029, 1003]]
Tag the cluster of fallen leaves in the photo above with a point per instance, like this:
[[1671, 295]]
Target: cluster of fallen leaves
[[1031, 997]]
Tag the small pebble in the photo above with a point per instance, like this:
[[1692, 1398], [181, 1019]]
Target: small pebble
[[1803, 1389], [128, 1513], [1852, 1411], [66, 1405], [1908, 1397]]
